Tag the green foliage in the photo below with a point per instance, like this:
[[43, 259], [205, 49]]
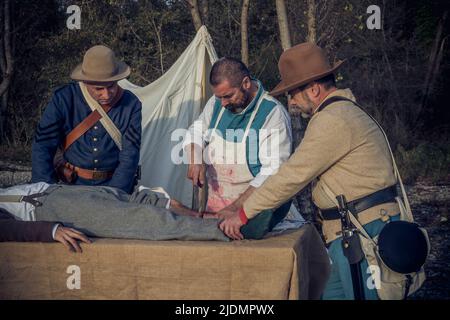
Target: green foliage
[[427, 161]]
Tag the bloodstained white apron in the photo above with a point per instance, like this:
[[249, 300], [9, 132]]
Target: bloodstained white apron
[[227, 171]]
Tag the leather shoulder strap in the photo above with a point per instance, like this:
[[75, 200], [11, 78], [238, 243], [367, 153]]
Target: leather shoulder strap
[[333, 99], [81, 129], [106, 121]]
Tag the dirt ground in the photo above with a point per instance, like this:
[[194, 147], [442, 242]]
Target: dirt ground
[[430, 205]]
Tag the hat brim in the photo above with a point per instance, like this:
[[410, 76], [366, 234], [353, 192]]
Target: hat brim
[[283, 87], [123, 71]]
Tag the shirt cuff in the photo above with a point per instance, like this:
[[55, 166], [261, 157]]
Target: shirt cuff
[[243, 217], [258, 180], [54, 230], [168, 203]]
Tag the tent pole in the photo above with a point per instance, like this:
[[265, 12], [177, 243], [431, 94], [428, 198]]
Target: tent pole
[[202, 192]]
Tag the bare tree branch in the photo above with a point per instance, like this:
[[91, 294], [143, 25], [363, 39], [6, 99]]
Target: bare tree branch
[[158, 36]]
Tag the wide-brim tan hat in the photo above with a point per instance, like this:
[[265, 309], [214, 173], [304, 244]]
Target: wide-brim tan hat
[[100, 65], [301, 65]]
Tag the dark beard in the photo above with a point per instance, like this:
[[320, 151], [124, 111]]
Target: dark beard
[[238, 108]]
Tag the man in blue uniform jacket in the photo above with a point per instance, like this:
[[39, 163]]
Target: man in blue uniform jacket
[[92, 126]]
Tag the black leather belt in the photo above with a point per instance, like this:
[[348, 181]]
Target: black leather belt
[[356, 206]]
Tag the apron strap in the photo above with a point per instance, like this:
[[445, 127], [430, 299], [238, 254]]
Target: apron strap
[[216, 123], [219, 117], [247, 130]]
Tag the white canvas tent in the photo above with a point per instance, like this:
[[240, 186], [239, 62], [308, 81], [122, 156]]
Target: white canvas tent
[[173, 102]]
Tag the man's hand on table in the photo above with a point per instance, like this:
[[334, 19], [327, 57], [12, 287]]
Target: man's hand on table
[[231, 222], [69, 238], [231, 226]]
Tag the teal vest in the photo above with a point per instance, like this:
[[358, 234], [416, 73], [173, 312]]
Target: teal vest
[[232, 120]]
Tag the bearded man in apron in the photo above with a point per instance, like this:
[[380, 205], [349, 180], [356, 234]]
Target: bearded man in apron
[[241, 138]]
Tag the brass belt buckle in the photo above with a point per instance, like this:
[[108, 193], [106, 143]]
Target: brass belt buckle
[[98, 175]]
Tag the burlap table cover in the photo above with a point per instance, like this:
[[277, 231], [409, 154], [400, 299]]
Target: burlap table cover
[[294, 265]]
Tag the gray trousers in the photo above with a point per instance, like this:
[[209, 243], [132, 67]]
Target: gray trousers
[[111, 213]]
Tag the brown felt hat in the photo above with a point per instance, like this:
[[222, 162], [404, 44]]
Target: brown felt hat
[[301, 65], [100, 65]]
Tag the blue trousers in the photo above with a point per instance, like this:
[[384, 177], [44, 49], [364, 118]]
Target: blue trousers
[[339, 285]]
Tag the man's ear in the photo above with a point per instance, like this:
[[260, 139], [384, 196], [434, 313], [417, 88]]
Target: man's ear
[[315, 91], [247, 83]]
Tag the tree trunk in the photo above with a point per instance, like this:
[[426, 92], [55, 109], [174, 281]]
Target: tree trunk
[[195, 13], [6, 61], [204, 11], [6, 58], [283, 25], [244, 31], [3, 112], [303, 199], [312, 25]]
